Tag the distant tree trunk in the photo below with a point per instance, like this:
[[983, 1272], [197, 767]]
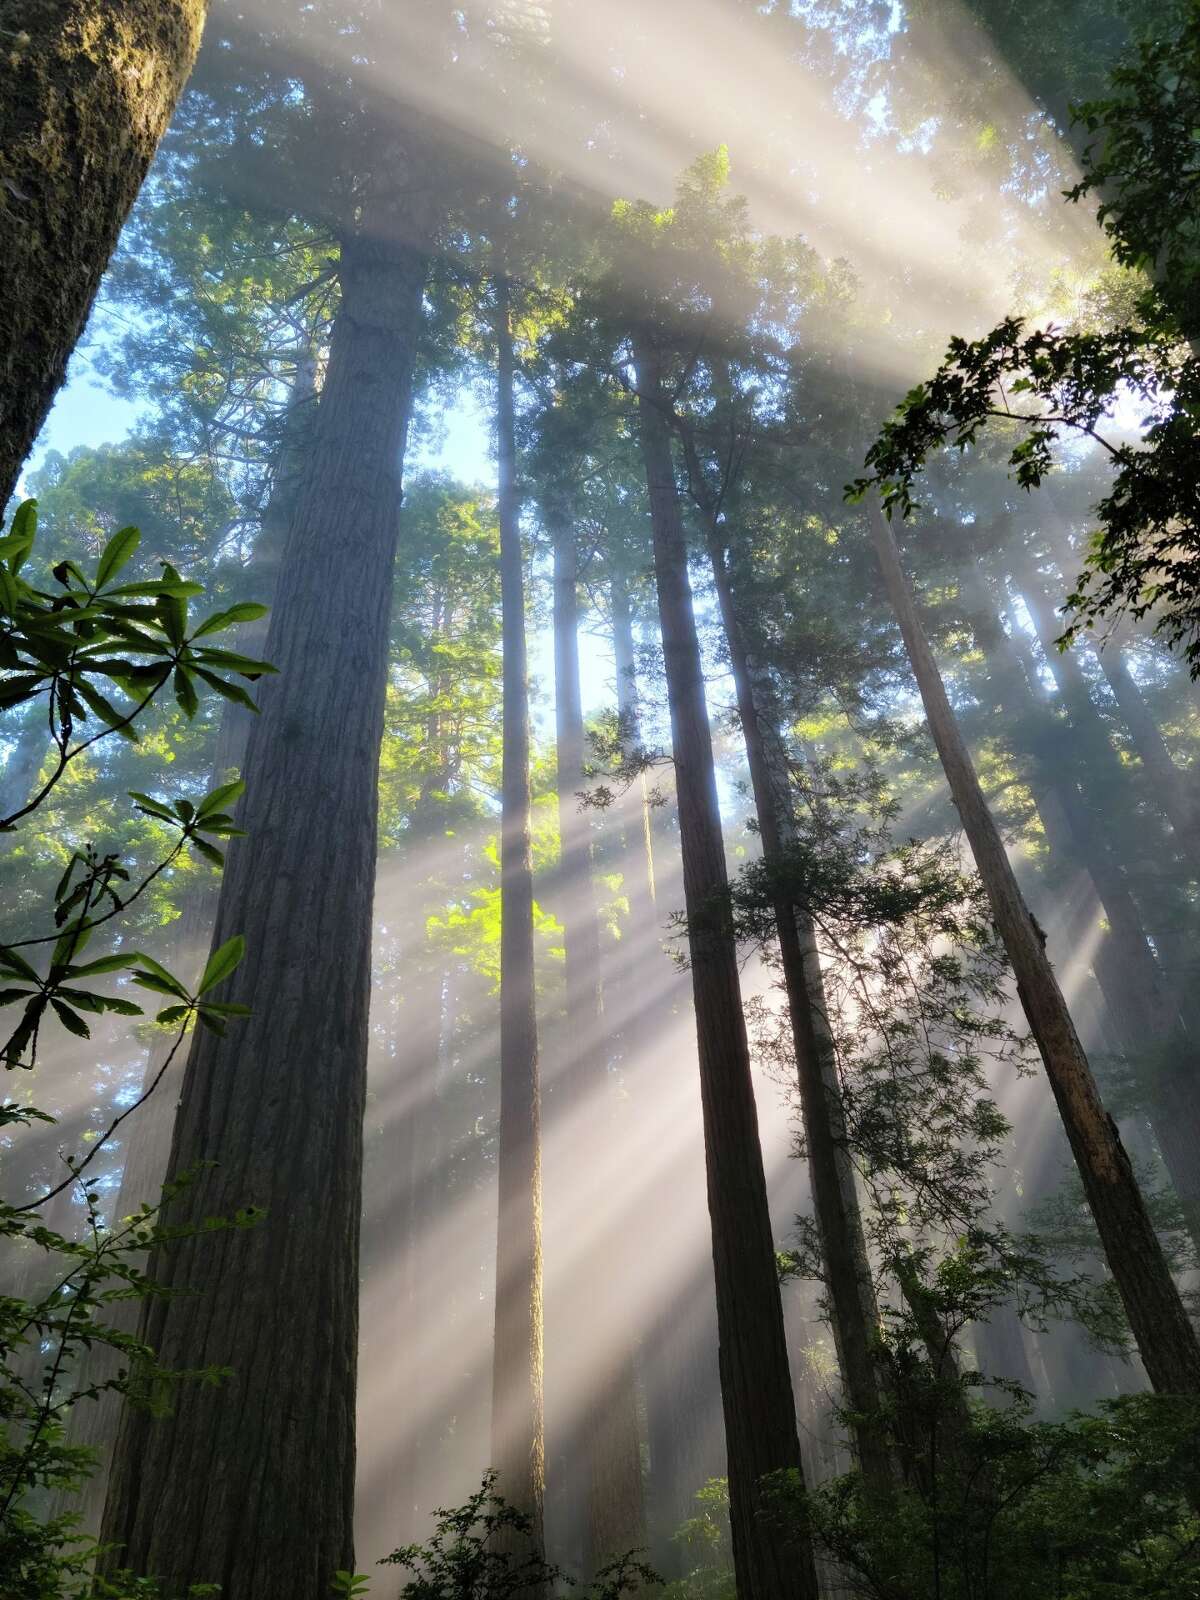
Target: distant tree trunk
[[90, 86], [760, 1416], [1167, 781], [609, 1435], [518, 1435], [678, 1356], [251, 1486], [854, 1313], [1164, 1336], [24, 759]]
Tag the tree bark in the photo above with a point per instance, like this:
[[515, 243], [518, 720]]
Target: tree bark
[[678, 1356], [760, 1416], [149, 1144], [854, 1314], [605, 1348], [518, 1431], [90, 86], [1124, 964], [1164, 1336], [251, 1486]]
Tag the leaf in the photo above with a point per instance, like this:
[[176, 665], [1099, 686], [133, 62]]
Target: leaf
[[18, 964], [152, 808], [231, 691], [151, 969], [171, 1014], [245, 611], [247, 666], [71, 1020], [150, 980], [222, 962], [70, 944], [218, 798], [105, 964], [185, 693], [106, 712], [208, 851], [116, 553]]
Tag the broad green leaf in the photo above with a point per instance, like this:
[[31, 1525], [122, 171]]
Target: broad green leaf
[[208, 851], [246, 611], [222, 962], [151, 969], [18, 964], [154, 808], [231, 691], [105, 964], [185, 693], [71, 1020], [106, 712], [220, 797], [116, 553]]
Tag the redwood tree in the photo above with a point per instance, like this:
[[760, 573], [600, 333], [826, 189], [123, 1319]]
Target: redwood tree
[[89, 89]]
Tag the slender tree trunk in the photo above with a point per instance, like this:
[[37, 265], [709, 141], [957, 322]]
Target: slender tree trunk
[[1167, 781], [760, 1416], [252, 1486], [678, 1356], [854, 1313], [1161, 1329], [89, 88], [605, 1354], [518, 1435], [1152, 1014], [24, 759]]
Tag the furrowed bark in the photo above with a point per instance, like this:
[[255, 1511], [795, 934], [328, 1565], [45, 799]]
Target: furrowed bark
[[89, 88], [760, 1416], [1165, 1338], [251, 1485]]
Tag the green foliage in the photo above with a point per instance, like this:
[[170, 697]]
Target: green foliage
[[484, 1550], [1090, 1508], [1047, 383], [57, 646]]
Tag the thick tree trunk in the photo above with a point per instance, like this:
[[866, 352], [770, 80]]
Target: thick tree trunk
[[854, 1314], [760, 1416], [605, 1351], [1164, 1336], [89, 88], [518, 1435], [251, 1486], [145, 1161]]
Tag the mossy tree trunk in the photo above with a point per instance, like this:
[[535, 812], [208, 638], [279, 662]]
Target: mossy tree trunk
[[89, 87]]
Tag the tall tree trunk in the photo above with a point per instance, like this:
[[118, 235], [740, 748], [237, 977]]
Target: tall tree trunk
[[760, 1415], [854, 1313], [678, 1356], [518, 1434], [605, 1346], [1164, 1336], [252, 1486], [90, 86], [149, 1146]]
